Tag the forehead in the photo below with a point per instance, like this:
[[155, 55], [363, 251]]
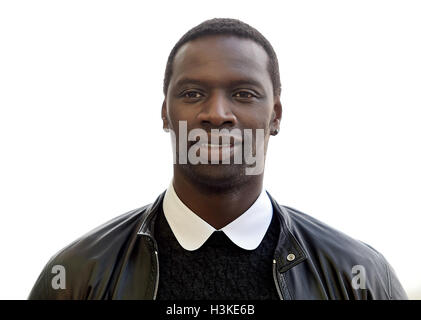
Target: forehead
[[221, 58]]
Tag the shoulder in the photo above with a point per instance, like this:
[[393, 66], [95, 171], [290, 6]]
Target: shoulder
[[110, 235], [330, 249], [89, 259], [310, 229]]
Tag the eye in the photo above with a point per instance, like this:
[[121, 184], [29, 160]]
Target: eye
[[244, 94], [191, 94]]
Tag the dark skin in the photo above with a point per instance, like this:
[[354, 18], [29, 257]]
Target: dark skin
[[232, 89]]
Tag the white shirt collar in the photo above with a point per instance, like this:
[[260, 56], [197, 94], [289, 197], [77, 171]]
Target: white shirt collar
[[191, 231]]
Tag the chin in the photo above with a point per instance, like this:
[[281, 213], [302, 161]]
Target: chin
[[215, 178]]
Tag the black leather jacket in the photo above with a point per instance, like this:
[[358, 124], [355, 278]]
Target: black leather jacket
[[119, 260]]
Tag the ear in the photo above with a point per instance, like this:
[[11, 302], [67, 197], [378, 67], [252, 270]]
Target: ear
[[164, 116], [276, 116]]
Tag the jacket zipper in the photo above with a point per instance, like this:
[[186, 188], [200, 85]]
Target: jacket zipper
[[157, 275], [275, 278], [155, 253]]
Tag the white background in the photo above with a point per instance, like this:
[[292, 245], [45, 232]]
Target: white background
[[81, 139]]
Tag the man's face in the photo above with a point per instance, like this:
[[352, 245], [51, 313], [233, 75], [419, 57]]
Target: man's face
[[221, 82]]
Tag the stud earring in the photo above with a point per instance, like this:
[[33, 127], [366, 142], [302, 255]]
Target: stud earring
[[275, 132]]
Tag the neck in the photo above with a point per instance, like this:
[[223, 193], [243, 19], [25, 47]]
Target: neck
[[217, 209]]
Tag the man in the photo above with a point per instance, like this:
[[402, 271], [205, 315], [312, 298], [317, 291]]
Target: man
[[215, 233]]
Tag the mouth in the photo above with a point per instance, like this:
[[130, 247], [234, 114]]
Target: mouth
[[210, 145], [221, 147], [218, 141]]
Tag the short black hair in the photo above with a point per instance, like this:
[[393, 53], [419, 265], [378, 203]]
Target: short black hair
[[227, 26]]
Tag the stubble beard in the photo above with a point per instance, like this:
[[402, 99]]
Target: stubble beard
[[216, 179]]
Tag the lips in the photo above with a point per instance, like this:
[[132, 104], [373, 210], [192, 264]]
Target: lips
[[221, 141], [209, 145]]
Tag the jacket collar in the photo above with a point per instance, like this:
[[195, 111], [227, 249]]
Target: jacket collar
[[288, 252]]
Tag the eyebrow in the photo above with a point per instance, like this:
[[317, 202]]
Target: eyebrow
[[242, 81]]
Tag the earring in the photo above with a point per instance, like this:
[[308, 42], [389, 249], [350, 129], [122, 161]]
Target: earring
[[275, 132]]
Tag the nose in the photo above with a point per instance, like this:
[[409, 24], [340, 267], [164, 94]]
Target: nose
[[217, 112]]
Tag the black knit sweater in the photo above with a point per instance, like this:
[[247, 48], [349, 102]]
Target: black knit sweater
[[217, 270]]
